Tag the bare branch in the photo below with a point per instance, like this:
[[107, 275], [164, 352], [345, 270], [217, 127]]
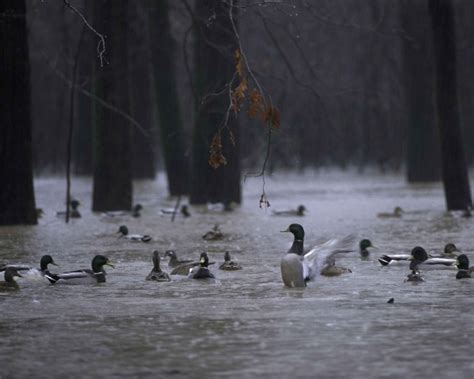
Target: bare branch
[[101, 43]]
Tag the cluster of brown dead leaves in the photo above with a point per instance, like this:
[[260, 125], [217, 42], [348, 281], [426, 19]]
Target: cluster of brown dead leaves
[[256, 108]]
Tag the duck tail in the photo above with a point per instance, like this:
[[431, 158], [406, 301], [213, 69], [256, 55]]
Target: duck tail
[[384, 260]]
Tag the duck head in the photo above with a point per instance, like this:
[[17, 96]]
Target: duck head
[[10, 273], [300, 210], [451, 249], [45, 261], [366, 244], [418, 255], [297, 230], [74, 204], [123, 230], [185, 211], [99, 261], [462, 262], [204, 260], [398, 211], [227, 257], [171, 254]]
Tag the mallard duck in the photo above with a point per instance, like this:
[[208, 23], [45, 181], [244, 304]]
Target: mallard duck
[[44, 262], [332, 270], [463, 267], [290, 212], [214, 234], [133, 237], [157, 273], [297, 268], [364, 246], [450, 251], [202, 271], [73, 212], [386, 259], [397, 213], [10, 283], [85, 276], [418, 256], [174, 261], [183, 210], [228, 264]]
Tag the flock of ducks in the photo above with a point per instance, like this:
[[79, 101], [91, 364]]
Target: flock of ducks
[[298, 267]]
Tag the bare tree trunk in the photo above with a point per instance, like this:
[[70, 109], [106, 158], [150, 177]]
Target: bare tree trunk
[[423, 153], [454, 170], [214, 52], [17, 201], [169, 113], [112, 163]]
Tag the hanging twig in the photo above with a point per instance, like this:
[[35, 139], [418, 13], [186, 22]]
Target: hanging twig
[[175, 210]]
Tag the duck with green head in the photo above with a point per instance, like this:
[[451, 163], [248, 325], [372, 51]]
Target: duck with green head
[[364, 248], [84, 276], [418, 256], [464, 271], [157, 273], [298, 267], [123, 230], [10, 284], [44, 262], [202, 271]]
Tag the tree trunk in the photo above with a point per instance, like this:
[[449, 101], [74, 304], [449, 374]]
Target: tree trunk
[[423, 153], [169, 115], [17, 201], [141, 106], [454, 170], [112, 170], [214, 66]]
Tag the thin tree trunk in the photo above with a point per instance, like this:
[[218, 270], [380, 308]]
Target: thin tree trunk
[[454, 170], [17, 201]]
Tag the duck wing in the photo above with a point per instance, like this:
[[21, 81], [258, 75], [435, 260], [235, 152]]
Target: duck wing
[[323, 255], [74, 277]]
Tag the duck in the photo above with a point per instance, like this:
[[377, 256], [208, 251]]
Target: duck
[[364, 246], [214, 234], [183, 210], [386, 259], [174, 261], [229, 264], [157, 273], [450, 251], [332, 270], [298, 268], [290, 212], [397, 213], [73, 211], [418, 256], [135, 212], [202, 271], [133, 237], [44, 262], [463, 267], [10, 283], [84, 276]]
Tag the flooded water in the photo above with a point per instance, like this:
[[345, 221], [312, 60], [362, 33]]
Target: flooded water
[[246, 324]]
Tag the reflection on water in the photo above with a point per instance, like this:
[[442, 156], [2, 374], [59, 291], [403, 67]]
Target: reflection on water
[[246, 324]]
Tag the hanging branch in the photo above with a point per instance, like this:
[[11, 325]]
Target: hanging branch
[[101, 43]]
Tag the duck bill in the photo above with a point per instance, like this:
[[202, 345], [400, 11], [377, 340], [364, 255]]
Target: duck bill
[[202, 260], [110, 264], [53, 263], [287, 230]]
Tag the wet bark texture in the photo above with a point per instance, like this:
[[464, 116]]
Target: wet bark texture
[[112, 160], [17, 202], [454, 170], [423, 152], [169, 114], [214, 67]]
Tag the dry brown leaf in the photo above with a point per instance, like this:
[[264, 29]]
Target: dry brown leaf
[[216, 158]]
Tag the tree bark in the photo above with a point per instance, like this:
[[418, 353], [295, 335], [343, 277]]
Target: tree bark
[[112, 167], [17, 201], [169, 114], [423, 152], [215, 67], [454, 170]]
